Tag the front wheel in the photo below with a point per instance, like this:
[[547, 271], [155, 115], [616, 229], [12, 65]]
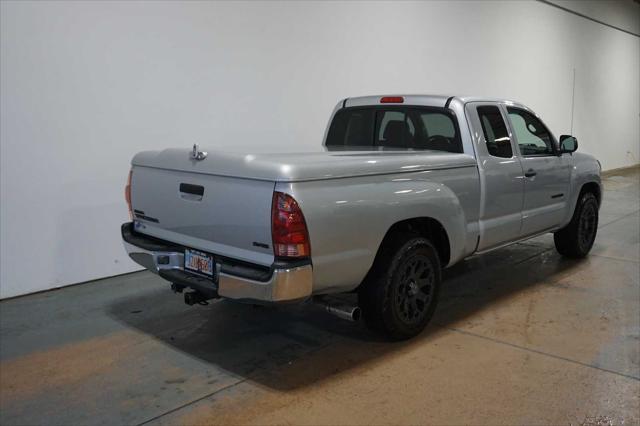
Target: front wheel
[[400, 293], [576, 239]]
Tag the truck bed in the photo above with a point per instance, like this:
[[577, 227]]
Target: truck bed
[[302, 166]]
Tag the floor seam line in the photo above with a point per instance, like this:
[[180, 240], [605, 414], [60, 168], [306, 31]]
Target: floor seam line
[[173, 410], [523, 348], [590, 292], [620, 218], [614, 258]]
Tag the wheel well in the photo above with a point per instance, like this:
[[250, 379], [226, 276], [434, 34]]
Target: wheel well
[[425, 227], [593, 188]]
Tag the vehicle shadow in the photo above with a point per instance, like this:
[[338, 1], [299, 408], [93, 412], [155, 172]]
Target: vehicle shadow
[[269, 345]]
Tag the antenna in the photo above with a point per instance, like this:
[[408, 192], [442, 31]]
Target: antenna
[[573, 99]]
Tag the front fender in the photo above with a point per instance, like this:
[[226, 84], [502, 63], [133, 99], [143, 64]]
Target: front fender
[[586, 169]]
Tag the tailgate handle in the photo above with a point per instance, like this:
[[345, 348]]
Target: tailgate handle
[[191, 192]]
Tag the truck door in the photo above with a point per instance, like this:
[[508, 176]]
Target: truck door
[[546, 174], [501, 182]]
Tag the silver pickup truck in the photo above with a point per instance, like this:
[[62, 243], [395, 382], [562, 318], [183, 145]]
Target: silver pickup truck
[[402, 187]]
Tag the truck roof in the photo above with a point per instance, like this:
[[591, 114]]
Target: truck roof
[[425, 100]]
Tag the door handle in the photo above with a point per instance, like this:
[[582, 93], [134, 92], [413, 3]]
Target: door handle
[[191, 192], [530, 173]]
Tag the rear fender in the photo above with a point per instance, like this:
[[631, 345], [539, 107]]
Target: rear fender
[[349, 218]]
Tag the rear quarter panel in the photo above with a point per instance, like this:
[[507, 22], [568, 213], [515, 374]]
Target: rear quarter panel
[[348, 218]]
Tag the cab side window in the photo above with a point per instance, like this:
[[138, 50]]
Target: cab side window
[[495, 132], [533, 137]]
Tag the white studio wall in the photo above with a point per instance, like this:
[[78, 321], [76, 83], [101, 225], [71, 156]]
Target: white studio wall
[[85, 85]]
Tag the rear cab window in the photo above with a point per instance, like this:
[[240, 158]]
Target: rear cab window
[[396, 127]]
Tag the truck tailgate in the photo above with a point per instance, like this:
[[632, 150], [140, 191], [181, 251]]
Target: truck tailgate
[[228, 216]]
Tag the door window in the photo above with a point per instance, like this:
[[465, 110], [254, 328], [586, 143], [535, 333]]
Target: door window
[[495, 132], [533, 137]]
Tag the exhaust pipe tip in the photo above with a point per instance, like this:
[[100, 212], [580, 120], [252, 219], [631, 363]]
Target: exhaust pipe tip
[[340, 309], [356, 314]]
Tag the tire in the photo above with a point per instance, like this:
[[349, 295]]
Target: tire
[[399, 295], [576, 239]]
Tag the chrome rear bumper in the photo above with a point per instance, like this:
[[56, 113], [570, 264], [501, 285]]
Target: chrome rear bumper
[[284, 285]]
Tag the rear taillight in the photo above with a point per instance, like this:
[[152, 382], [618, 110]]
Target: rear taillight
[[127, 194], [288, 228]]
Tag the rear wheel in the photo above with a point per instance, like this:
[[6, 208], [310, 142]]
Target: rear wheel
[[576, 239], [400, 293]]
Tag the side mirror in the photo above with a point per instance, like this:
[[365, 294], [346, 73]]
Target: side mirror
[[568, 144]]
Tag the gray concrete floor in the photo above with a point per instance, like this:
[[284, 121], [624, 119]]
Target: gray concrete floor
[[521, 335]]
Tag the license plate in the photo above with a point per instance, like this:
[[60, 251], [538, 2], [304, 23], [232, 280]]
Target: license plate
[[197, 261]]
